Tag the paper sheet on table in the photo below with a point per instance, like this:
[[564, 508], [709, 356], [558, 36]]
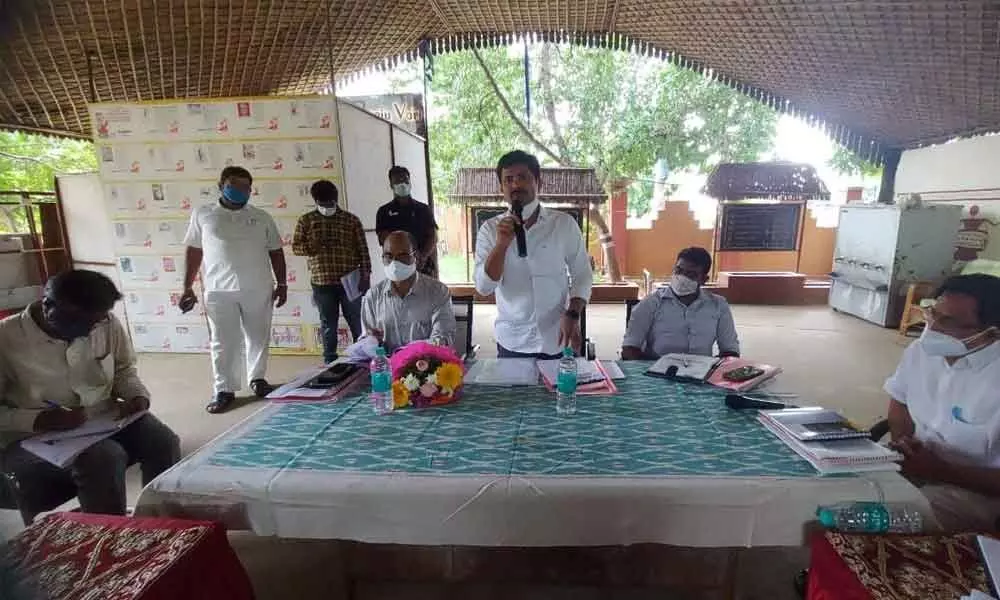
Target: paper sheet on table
[[352, 285], [613, 369], [61, 447], [989, 549], [586, 370], [503, 371], [362, 351]]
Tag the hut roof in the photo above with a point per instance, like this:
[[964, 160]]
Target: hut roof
[[558, 184]]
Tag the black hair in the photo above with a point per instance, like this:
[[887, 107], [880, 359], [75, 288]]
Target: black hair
[[984, 288], [398, 170], [89, 291], [697, 256], [518, 157], [409, 236], [324, 191], [233, 171]]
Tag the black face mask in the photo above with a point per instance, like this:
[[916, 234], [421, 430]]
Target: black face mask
[[66, 324]]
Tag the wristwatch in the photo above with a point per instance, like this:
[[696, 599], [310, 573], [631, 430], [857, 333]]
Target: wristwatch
[[573, 314]]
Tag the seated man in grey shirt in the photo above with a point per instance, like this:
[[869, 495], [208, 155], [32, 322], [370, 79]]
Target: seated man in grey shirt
[[407, 306], [682, 317]]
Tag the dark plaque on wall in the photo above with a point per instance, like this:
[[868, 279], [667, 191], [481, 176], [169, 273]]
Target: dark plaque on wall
[[750, 227], [481, 214]]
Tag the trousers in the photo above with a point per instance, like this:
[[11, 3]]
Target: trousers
[[99, 471], [240, 326], [331, 300]]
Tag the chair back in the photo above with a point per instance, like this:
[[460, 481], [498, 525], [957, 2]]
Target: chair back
[[463, 307], [629, 305]]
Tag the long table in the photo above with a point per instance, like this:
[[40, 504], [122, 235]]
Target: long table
[[661, 462]]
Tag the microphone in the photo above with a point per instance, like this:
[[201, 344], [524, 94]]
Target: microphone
[[522, 243], [739, 401]]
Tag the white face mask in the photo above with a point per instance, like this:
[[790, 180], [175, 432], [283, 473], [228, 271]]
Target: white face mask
[[402, 190], [683, 285], [528, 209], [327, 211], [398, 271], [935, 343]]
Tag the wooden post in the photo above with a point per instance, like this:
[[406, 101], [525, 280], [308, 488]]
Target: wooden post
[[886, 192]]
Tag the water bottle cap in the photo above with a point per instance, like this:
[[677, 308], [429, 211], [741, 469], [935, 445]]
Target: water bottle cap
[[567, 352], [827, 517], [380, 351]]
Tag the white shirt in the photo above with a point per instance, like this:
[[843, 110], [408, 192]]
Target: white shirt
[[956, 408], [34, 368], [236, 244], [534, 291], [661, 324]]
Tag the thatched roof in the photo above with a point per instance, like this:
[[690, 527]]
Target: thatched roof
[[876, 73], [558, 185], [747, 181]]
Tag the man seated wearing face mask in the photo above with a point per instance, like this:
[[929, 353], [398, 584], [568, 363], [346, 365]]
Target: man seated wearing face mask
[[944, 412], [682, 317], [407, 306], [64, 360], [334, 242]]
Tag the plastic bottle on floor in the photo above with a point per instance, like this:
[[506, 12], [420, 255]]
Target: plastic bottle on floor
[[566, 383], [381, 394], [870, 517]]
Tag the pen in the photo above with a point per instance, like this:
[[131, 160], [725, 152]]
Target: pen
[[52, 404]]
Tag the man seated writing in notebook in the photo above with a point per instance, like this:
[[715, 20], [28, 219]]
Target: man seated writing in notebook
[[682, 317], [407, 306], [944, 415], [64, 360]]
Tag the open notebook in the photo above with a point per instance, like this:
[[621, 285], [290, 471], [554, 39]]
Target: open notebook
[[592, 377]]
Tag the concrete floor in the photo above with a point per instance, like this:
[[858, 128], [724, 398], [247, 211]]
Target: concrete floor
[[828, 359]]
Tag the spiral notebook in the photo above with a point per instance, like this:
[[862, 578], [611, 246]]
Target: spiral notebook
[[813, 424], [838, 456]]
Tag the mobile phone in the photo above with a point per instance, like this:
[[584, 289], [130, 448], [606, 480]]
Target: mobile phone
[[332, 376]]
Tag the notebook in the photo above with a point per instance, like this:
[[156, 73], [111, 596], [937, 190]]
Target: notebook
[[838, 456], [592, 377], [720, 376], [814, 424], [693, 367]]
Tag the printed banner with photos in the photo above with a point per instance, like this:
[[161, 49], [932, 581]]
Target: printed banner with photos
[[159, 161]]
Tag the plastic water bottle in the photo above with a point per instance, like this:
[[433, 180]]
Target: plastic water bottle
[[870, 517], [381, 394], [566, 383]]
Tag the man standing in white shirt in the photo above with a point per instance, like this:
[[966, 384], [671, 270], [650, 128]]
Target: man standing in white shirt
[[239, 246], [944, 415], [541, 296]]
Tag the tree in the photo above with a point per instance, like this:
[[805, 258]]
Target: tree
[[611, 110], [846, 162], [30, 163]]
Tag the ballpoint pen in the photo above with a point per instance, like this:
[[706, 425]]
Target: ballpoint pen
[[52, 404]]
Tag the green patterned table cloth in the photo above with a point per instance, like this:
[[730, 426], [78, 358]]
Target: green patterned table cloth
[[653, 427]]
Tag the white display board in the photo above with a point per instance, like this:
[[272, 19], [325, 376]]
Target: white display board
[[160, 160]]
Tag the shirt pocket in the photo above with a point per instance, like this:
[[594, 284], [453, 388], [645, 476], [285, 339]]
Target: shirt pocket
[[96, 382]]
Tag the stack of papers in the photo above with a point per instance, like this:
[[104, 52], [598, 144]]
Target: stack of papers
[[838, 456], [62, 447], [295, 389], [503, 371], [592, 378], [813, 423]]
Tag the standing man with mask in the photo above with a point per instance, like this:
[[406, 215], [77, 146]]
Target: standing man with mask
[[541, 296], [407, 306], [239, 246], [944, 412], [334, 242], [63, 361], [406, 214], [682, 317]]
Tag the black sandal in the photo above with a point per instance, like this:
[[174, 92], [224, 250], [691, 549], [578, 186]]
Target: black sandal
[[261, 388], [221, 403]]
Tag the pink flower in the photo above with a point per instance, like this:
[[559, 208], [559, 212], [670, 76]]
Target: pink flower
[[422, 365], [428, 390]]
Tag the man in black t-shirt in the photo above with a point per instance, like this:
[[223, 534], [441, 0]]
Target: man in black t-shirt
[[406, 214]]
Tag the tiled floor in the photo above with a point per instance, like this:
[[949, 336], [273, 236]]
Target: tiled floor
[[828, 358]]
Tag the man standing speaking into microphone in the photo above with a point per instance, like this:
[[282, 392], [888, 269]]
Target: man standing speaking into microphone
[[535, 260]]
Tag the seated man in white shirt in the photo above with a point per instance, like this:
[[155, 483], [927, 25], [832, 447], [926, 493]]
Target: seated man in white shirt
[[682, 317], [944, 415], [407, 306], [541, 296], [63, 361]]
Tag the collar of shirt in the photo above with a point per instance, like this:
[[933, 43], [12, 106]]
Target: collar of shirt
[[979, 359], [391, 291], [666, 293]]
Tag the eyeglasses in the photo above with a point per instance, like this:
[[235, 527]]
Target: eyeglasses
[[932, 316], [404, 257]]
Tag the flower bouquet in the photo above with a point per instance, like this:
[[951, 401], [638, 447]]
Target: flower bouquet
[[424, 374]]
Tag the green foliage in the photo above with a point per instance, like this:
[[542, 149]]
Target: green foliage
[[846, 162], [611, 110], [39, 159]]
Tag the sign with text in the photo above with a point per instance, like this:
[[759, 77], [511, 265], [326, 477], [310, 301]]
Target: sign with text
[[405, 110]]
